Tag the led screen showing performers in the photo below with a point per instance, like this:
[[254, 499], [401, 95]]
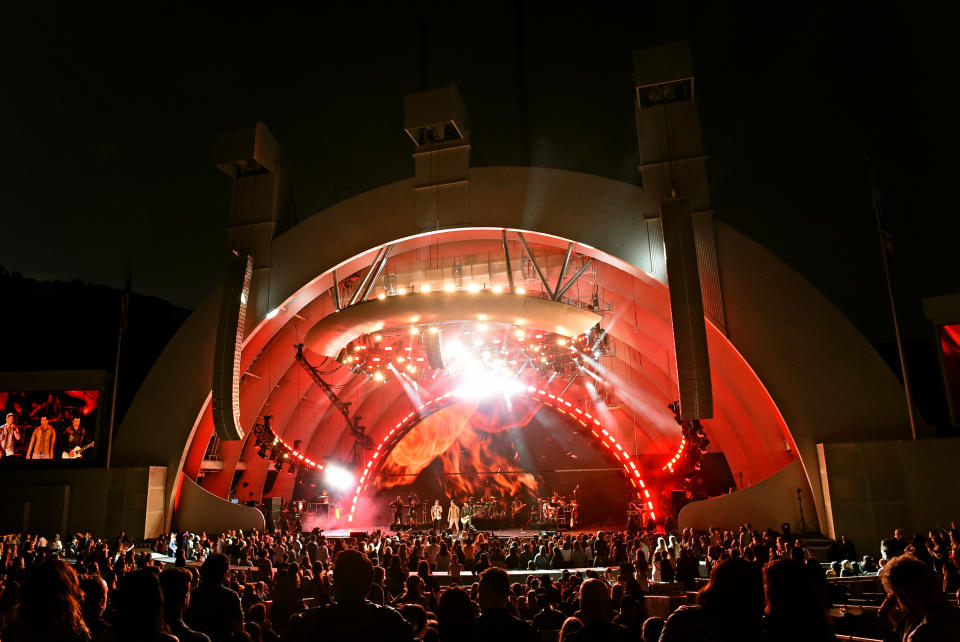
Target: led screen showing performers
[[48, 425], [950, 354], [510, 461]]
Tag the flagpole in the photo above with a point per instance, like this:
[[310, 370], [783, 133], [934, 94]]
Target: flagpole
[[124, 314], [883, 236]]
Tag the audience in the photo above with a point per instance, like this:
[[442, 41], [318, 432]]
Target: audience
[[762, 586]]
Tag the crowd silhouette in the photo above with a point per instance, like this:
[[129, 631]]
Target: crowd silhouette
[[291, 586]]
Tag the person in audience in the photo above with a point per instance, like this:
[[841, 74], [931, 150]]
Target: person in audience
[[793, 610], [547, 618], [214, 609], [594, 602], [893, 546], [915, 602], [454, 614], [727, 608], [175, 583], [496, 622], [652, 628], [94, 603], [50, 606], [285, 597], [352, 616], [570, 626], [139, 609]]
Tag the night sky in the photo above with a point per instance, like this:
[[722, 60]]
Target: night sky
[[109, 121]]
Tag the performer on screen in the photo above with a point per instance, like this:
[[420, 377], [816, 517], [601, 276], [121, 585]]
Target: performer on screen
[[436, 514], [453, 517], [9, 435], [42, 441], [74, 436], [397, 507]]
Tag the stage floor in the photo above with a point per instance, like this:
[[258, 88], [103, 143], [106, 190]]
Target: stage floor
[[502, 533]]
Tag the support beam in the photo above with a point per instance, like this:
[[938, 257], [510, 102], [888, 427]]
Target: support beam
[[506, 254], [573, 279], [376, 275], [563, 272], [366, 277], [543, 279], [336, 292]]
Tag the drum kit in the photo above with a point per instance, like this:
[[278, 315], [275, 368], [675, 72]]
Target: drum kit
[[560, 509], [486, 507]]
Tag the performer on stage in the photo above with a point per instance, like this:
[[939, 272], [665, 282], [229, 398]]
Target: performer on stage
[[413, 503], [465, 516], [397, 507], [453, 517], [436, 514], [516, 511]]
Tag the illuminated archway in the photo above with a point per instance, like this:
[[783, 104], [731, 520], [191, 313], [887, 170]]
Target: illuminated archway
[[589, 424]]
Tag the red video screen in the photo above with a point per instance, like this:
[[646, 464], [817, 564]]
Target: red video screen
[[950, 352], [53, 425]]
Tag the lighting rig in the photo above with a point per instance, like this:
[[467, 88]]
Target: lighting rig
[[270, 446], [687, 460], [385, 355]]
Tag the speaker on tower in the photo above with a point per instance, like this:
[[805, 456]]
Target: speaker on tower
[[431, 346]]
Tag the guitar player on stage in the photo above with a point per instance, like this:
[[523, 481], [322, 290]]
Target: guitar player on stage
[[73, 437]]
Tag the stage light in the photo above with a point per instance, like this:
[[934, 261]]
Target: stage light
[[401, 291], [411, 368], [414, 330], [520, 290], [449, 287], [497, 289], [338, 478], [486, 384], [381, 296], [482, 327], [378, 376], [434, 329], [473, 288], [561, 342], [425, 288]]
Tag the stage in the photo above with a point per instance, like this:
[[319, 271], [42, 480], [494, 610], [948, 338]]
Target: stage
[[501, 533]]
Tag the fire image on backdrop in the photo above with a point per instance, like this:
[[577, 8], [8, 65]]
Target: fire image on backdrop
[[463, 440]]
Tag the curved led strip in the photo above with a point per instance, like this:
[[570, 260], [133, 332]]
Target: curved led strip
[[558, 404], [676, 457], [290, 452]]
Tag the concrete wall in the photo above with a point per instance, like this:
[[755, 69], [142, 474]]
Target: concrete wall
[[65, 500], [825, 377], [871, 488], [768, 504], [158, 427], [199, 511]]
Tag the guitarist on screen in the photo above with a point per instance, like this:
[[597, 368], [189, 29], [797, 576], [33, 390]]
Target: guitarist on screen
[[73, 438]]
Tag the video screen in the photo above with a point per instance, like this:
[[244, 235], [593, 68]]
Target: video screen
[[53, 425], [950, 352]]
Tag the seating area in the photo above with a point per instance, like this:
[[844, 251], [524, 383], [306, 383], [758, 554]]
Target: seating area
[[282, 585]]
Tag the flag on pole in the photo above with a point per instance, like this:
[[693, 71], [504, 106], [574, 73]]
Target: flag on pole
[[880, 214]]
